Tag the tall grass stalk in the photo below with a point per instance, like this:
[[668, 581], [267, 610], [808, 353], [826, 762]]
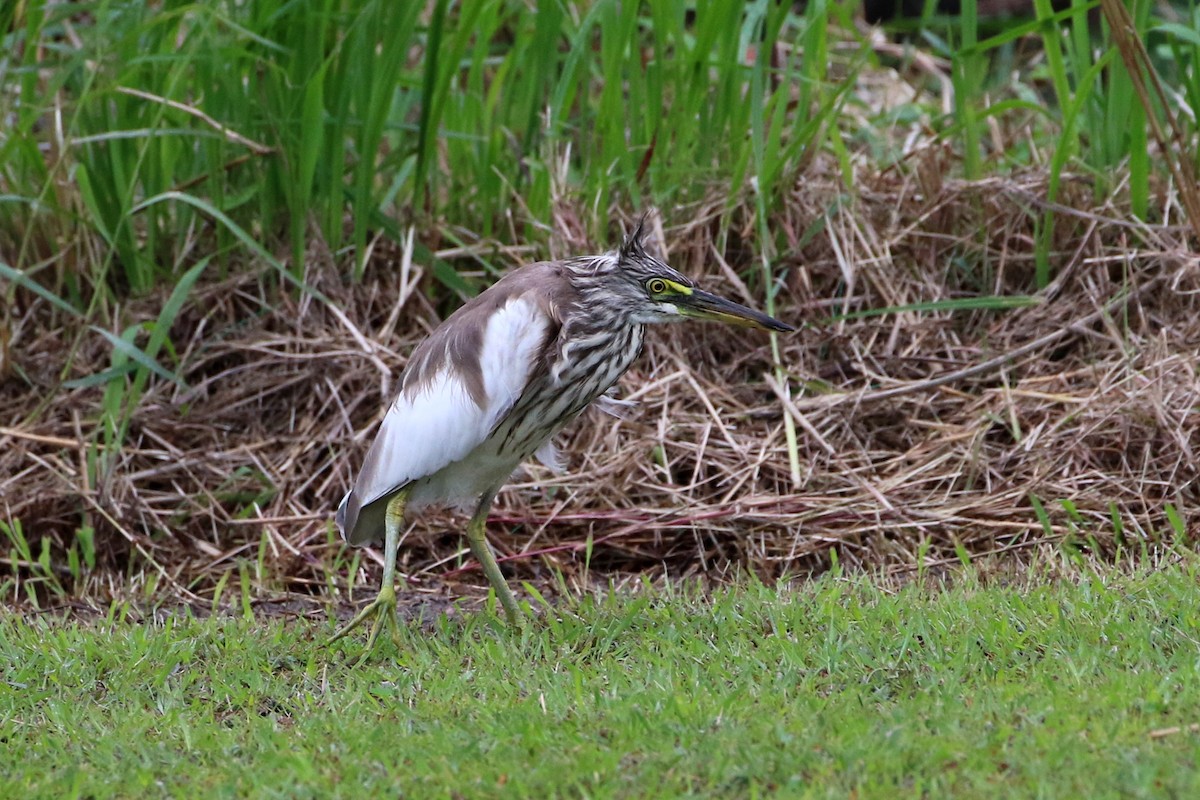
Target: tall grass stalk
[[1179, 149], [310, 122]]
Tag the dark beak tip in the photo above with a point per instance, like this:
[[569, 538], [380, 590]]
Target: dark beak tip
[[707, 304], [778, 325]]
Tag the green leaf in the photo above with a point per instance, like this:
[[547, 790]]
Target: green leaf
[[1182, 32], [101, 378], [989, 302], [171, 309], [24, 281], [139, 356]]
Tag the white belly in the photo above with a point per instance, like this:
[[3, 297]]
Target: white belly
[[459, 485]]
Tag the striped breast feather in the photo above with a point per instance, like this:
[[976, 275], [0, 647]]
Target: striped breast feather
[[440, 418]]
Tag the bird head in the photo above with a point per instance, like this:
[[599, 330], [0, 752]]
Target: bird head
[[654, 292]]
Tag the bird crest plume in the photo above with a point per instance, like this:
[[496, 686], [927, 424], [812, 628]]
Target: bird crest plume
[[633, 246]]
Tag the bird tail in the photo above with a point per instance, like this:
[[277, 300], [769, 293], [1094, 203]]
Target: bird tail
[[359, 524], [340, 518]]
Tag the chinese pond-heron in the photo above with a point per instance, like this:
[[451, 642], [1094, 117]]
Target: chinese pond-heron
[[495, 381]]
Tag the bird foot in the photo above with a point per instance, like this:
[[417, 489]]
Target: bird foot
[[383, 610]]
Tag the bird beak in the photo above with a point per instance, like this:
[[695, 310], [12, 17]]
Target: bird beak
[[702, 305]]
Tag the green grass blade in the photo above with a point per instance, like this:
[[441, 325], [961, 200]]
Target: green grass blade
[[139, 356], [19, 278], [987, 303]]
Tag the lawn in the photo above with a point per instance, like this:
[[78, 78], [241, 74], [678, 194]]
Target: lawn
[[1084, 686]]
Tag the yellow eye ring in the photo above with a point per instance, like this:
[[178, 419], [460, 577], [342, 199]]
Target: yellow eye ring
[[656, 286]]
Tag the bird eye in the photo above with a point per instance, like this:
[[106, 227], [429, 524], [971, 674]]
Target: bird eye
[[656, 286]]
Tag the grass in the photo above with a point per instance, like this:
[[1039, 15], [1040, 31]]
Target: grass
[[346, 120], [289, 117], [163, 149], [826, 689]]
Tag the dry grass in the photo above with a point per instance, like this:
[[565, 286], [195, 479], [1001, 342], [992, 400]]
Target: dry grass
[[909, 449]]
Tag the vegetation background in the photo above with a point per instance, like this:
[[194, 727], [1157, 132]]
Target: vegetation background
[[224, 225]]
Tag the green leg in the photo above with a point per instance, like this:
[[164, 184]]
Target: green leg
[[383, 607], [483, 552]]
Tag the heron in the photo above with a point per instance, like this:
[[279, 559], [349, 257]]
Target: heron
[[496, 380]]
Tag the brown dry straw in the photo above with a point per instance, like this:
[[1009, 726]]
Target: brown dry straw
[[923, 435]]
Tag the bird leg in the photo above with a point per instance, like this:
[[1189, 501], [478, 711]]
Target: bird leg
[[483, 552], [383, 607]]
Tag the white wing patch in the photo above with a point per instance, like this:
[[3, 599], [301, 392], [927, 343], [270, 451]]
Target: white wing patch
[[431, 428], [423, 431], [514, 335]]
